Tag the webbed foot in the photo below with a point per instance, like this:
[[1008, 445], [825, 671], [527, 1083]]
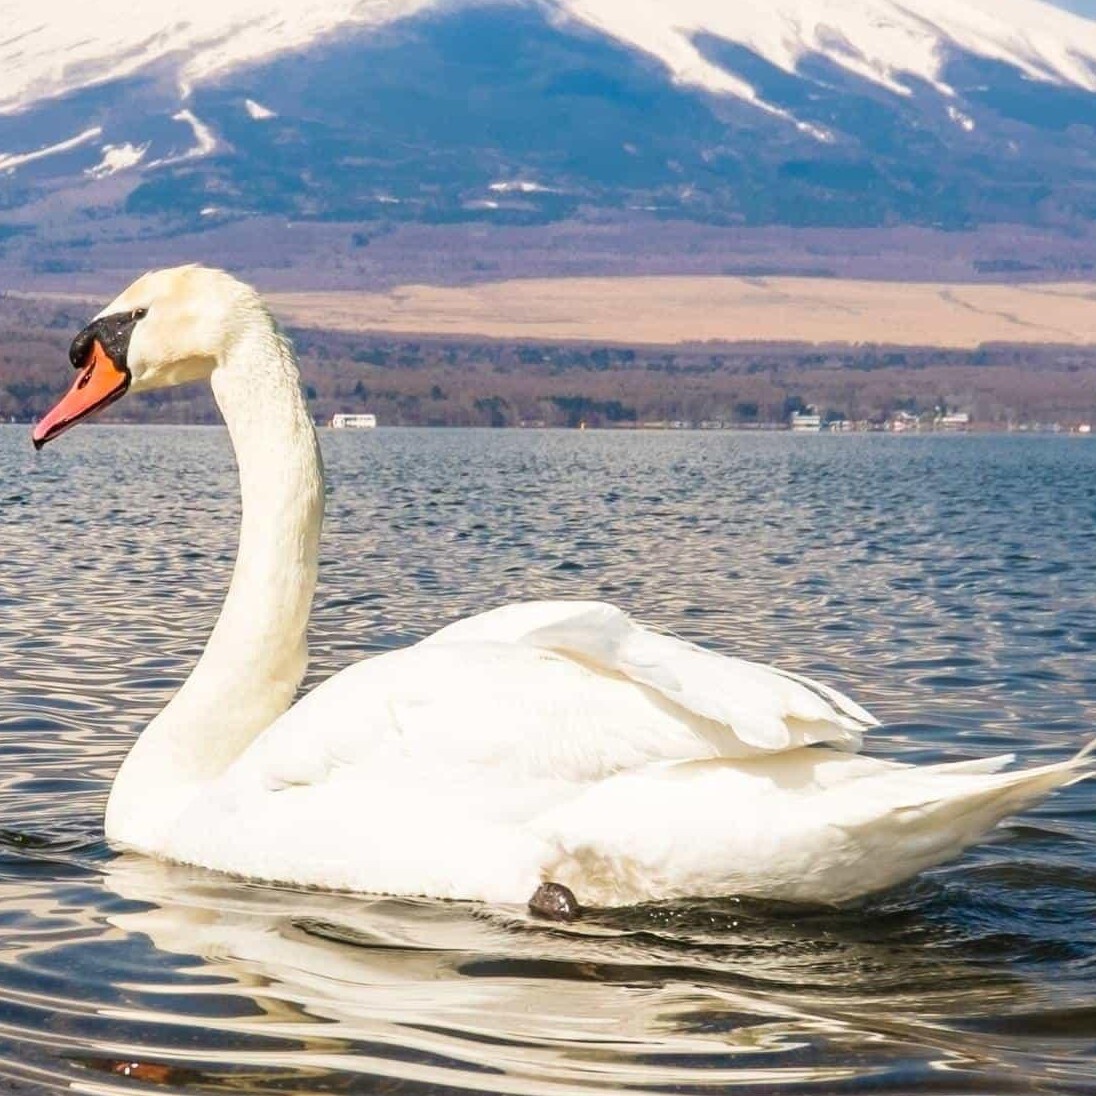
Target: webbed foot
[[555, 902]]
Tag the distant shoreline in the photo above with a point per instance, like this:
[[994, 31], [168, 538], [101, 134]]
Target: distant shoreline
[[974, 430], [564, 353]]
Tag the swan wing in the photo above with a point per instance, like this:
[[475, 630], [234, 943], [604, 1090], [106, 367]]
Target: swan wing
[[508, 712], [766, 709]]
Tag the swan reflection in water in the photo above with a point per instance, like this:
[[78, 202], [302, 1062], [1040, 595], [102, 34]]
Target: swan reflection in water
[[718, 993]]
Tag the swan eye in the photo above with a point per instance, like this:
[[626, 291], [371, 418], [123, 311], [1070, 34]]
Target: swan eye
[[138, 314]]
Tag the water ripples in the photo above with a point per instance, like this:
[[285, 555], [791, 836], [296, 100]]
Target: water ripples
[[948, 583]]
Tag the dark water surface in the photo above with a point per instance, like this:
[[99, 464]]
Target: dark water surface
[[947, 583]]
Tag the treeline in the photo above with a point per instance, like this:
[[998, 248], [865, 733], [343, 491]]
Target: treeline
[[479, 382]]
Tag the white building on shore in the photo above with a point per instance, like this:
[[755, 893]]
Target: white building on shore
[[345, 421], [806, 422]]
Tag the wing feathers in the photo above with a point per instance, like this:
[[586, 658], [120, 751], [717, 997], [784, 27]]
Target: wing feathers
[[767, 710]]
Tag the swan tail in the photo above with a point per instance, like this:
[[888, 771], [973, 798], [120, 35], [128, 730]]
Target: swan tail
[[943, 810], [813, 826]]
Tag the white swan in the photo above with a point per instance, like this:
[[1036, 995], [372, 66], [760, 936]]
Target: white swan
[[531, 749]]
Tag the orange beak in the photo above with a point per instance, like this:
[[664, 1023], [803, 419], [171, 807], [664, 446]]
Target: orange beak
[[99, 384]]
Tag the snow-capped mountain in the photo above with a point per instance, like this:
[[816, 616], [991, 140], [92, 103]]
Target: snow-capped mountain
[[54, 47], [788, 111]]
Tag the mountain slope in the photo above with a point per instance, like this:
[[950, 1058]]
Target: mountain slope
[[849, 112], [48, 50]]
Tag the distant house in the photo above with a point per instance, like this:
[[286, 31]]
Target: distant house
[[901, 421], [953, 420], [345, 421], [806, 422]]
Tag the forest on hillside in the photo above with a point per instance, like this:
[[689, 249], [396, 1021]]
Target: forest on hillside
[[433, 381]]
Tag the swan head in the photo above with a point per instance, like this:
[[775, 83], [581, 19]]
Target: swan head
[[169, 327]]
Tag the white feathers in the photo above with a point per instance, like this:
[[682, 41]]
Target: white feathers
[[807, 826], [766, 709], [543, 740]]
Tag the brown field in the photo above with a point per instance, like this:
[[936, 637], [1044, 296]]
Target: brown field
[[671, 310]]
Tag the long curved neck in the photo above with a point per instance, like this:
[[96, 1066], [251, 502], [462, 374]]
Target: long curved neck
[[257, 653]]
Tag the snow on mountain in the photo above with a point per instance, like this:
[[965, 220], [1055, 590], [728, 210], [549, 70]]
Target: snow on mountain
[[883, 41], [10, 161], [51, 46], [117, 158], [257, 111], [204, 140], [817, 112]]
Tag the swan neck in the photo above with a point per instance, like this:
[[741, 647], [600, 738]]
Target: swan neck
[[257, 654]]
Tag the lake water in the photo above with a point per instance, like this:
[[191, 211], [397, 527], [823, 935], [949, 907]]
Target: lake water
[[948, 583]]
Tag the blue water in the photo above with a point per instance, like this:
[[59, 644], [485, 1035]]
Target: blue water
[[948, 583]]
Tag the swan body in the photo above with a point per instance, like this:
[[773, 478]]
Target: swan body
[[540, 741]]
